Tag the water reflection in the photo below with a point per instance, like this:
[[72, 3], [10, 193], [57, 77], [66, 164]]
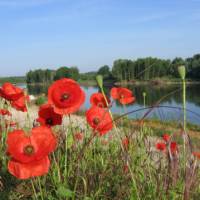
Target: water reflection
[[153, 95], [37, 89]]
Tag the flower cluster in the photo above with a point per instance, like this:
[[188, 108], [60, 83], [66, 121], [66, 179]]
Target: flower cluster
[[15, 96], [162, 146], [98, 116], [29, 150]]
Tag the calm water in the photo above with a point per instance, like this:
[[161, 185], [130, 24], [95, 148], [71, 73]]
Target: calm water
[[154, 94]]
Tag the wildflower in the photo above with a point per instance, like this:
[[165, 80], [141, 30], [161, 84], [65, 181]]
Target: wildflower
[[5, 112], [10, 92], [29, 152], [124, 95], [99, 119], [97, 99], [173, 147], [27, 147], [48, 117], [20, 104], [125, 142], [28, 170], [78, 136], [166, 137], [160, 146], [196, 154], [66, 96]]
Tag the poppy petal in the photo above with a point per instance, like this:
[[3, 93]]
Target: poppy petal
[[66, 96], [99, 119], [29, 170]]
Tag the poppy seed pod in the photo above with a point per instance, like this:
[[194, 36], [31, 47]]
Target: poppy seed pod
[[182, 71]]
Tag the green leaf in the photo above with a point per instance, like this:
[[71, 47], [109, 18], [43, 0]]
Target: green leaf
[[70, 141], [64, 192]]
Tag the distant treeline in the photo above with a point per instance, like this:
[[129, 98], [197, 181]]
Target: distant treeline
[[150, 68], [13, 79], [124, 70], [47, 75]]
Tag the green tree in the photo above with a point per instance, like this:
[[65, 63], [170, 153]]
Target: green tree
[[193, 67], [62, 72], [105, 72], [174, 66], [74, 73]]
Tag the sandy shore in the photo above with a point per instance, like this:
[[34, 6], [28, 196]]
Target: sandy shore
[[22, 118]]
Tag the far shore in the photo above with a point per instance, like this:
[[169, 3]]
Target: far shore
[[124, 83], [156, 82]]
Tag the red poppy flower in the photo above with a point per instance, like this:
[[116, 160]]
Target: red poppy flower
[[99, 119], [66, 96], [173, 147], [97, 99], [166, 137], [20, 104], [5, 112], [29, 170], [48, 117], [125, 142], [26, 148], [124, 95], [10, 92], [161, 146], [196, 154], [78, 136]]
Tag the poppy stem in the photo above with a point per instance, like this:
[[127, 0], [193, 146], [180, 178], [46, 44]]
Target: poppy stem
[[144, 99], [116, 130], [41, 192], [58, 168], [33, 187], [28, 114], [184, 104]]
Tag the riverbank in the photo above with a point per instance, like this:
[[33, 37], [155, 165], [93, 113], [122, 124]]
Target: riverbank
[[88, 83], [158, 127], [160, 82]]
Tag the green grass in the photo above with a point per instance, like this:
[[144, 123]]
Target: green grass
[[95, 170]]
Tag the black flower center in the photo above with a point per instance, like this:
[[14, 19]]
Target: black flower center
[[100, 104], [49, 121], [65, 96], [96, 121], [29, 150], [121, 96]]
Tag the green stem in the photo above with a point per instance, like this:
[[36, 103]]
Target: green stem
[[116, 130], [184, 105], [58, 168], [41, 192], [65, 170], [33, 187]]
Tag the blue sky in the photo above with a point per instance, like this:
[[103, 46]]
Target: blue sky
[[91, 33]]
